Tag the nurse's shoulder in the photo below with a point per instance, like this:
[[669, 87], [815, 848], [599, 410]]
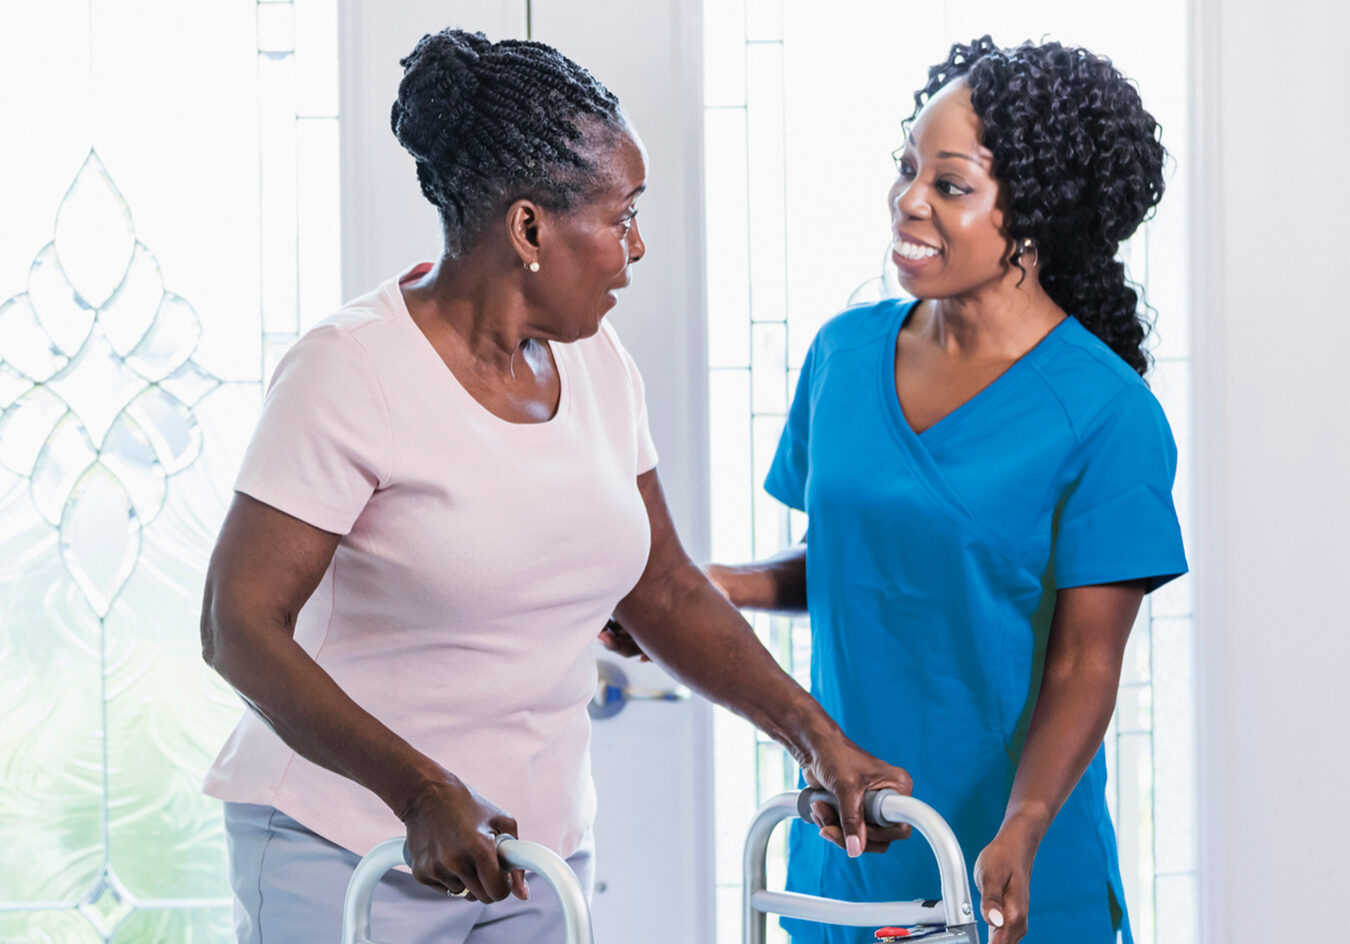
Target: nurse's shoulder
[[856, 327], [1091, 382]]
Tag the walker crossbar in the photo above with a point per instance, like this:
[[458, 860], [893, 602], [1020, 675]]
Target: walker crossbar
[[954, 914], [514, 854]]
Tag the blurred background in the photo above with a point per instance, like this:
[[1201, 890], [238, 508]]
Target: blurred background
[[185, 188]]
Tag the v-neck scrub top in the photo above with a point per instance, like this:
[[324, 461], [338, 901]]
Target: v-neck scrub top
[[932, 565], [478, 560]]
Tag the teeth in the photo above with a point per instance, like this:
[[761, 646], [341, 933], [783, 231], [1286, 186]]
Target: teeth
[[910, 250]]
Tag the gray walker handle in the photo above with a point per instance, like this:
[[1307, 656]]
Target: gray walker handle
[[955, 912], [514, 853]]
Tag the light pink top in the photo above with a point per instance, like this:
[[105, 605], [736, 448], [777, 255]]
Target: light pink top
[[478, 560]]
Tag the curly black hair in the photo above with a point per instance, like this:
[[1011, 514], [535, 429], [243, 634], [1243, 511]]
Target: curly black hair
[[490, 123], [1082, 165]]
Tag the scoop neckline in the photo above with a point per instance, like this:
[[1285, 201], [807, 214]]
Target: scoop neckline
[[560, 413]]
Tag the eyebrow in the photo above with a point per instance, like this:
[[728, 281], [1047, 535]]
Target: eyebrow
[[909, 140], [640, 189]]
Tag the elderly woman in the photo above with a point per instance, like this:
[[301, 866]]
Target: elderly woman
[[988, 480], [450, 489]]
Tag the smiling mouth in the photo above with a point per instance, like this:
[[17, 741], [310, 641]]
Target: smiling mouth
[[912, 251]]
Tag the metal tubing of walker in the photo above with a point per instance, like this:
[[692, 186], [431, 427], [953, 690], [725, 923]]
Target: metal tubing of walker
[[514, 853], [955, 910]]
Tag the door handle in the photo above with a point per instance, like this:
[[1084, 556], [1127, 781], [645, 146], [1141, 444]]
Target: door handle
[[612, 692]]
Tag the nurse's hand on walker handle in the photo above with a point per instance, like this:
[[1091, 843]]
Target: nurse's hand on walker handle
[[452, 841], [1003, 877]]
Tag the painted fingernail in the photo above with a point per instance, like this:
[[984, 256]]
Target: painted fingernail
[[853, 846], [996, 917]]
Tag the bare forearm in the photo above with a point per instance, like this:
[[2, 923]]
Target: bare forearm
[[1071, 716], [776, 584], [683, 623], [312, 714]]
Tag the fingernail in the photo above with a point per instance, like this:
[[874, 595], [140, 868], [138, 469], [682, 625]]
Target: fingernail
[[525, 891], [853, 846], [996, 917]]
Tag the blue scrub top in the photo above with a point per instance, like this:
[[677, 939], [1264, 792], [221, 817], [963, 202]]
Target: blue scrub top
[[932, 564]]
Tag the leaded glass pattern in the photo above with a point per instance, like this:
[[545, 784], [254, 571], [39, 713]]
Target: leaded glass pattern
[[802, 109], [139, 311]]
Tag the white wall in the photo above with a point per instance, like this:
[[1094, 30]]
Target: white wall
[[1272, 462]]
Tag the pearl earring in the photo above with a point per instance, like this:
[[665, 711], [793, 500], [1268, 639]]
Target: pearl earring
[[533, 266]]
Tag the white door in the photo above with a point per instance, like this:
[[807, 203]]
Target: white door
[[654, 879]]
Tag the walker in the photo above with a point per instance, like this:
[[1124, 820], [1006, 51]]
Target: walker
[[948, 921], [514, 853]]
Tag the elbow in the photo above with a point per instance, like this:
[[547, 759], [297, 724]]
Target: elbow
[[215, 635], [212, 650]]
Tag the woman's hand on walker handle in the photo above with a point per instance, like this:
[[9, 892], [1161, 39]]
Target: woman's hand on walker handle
[[848, 772], [1003, 877], [452, 841]]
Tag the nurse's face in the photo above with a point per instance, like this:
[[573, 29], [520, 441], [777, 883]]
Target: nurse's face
[[946, 213]]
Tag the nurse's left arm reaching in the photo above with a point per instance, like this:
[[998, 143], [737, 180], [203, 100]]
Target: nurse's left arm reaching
[[1083, 660], [684, 623]]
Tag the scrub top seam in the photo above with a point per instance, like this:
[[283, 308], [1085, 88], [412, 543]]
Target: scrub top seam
[[857, 344]]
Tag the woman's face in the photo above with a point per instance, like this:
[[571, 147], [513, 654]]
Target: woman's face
[[946, 215], [584, 254]]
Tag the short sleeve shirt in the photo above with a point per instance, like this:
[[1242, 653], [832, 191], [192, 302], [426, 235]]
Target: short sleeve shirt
[[478, 559]]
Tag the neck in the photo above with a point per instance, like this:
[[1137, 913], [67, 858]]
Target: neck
[[1000, 321], [479, 304]]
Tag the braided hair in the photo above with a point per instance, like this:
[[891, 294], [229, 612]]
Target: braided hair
[[1082, 165], [491, 123]]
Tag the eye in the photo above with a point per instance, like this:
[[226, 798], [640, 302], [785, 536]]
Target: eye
[[626, 224], [951, 188]]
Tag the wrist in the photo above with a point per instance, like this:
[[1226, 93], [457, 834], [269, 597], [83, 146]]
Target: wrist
[[1025, 825], [414, 781], [810, 732]]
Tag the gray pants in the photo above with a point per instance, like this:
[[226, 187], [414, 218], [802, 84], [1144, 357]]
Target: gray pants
[[289, 886]]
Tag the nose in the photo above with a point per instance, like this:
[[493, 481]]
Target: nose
[[910, 199], [636, 247]]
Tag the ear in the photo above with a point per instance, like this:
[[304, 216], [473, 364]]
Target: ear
[[523, 219]]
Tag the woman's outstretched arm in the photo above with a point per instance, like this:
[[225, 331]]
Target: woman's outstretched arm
[[681, 620]]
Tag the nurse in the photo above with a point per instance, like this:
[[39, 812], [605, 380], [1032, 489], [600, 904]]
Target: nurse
[[988, 481]]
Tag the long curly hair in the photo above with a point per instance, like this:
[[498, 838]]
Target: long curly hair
[[1082, 165], [490, 123]]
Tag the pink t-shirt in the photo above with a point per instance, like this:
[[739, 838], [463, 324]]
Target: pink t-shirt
[[478, 560]]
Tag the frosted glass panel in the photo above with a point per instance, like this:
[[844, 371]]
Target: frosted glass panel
[[132, 329]]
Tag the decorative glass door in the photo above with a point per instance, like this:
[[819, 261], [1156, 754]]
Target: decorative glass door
[[169, 191]]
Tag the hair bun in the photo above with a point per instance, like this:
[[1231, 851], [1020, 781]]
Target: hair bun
[[440, 80], [488, 122]]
